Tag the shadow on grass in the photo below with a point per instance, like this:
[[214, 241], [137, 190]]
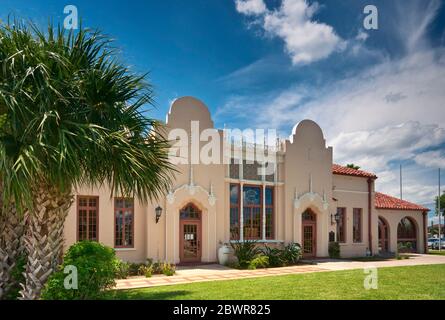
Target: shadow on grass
[[145, 294]]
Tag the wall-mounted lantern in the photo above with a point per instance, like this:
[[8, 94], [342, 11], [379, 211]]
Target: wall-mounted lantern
[[335, 218], [158, 212]]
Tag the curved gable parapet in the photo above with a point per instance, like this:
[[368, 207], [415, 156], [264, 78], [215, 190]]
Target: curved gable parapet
[[307, 132], [186, 109]]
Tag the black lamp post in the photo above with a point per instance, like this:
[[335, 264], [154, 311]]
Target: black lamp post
[[158, 212]]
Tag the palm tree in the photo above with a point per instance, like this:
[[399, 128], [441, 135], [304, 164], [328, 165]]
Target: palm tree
[[74, 117], [11, 247]]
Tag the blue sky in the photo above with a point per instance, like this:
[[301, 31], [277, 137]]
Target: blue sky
[[377, 94]]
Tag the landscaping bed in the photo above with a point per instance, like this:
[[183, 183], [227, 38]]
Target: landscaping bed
[[251, 255]]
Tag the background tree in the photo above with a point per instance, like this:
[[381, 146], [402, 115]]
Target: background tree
[[442, 205], [74, 117], [352, 166]]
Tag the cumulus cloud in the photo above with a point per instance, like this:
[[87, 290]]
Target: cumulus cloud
[[393, 142], [250, 7], [362, 36], [305, 39], [386, 114], [432, 159], [409, 90]]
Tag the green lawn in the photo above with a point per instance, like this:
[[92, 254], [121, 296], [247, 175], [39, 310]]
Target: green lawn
[[441, 252], [416, 282]]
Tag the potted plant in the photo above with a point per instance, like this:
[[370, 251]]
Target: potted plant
[[223, 253]]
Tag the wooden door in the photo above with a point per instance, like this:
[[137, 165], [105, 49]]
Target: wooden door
[[191, 241], [190, 234], [309, 234]]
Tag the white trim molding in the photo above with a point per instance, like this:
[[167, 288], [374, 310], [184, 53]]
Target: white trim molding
[[311, 196], [192, 189]]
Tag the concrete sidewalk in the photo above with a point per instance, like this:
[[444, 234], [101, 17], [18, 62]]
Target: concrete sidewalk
[[414, 260], [215, 272]]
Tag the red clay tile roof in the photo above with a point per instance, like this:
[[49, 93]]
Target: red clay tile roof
[[338, 169], [383, 201]]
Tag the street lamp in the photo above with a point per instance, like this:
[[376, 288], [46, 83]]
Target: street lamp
[[158, 212]]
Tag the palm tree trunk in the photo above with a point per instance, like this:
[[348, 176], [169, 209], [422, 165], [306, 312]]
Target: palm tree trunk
[[11, 247], [44, 238]]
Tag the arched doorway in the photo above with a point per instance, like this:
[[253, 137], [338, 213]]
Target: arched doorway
[[407, 235], [383, 235], [309, 233], [190, 234]]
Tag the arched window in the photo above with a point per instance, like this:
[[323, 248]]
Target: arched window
[[407, 235], [308, 215], [190, 212]]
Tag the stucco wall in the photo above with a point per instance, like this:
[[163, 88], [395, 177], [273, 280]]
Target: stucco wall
[[352, 192], [308, 177], [106, 224]]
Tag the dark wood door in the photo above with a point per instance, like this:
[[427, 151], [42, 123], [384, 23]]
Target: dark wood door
[[190, 236], [309, 240]]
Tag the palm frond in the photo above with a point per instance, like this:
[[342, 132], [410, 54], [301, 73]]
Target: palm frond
[[73, 113]]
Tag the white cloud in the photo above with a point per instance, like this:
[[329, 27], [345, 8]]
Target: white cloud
[[431, 159], [305, 40], [386, 114], [250, 7], [388, 94], [393, 142], [362, 36], [417, 18]]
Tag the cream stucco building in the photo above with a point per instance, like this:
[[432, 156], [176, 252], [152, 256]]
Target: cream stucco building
[[307, 199]]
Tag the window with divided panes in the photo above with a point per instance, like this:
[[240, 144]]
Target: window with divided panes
[[87, 218], [124, 222]]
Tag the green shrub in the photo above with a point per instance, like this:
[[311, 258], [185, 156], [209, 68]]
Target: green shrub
[[260, 261], [148, 272], [151, 267], [142, 269], [157, 267], [232, 264], [274, 255], [168, 269], [291, 253], [334, 250], [245, 252], [145, 270], [96, 270], [134, 268], [122, 269]]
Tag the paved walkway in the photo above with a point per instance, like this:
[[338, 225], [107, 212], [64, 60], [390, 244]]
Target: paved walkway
[[215, 272]]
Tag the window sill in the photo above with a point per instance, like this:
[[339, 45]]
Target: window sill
[[125, 249]]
